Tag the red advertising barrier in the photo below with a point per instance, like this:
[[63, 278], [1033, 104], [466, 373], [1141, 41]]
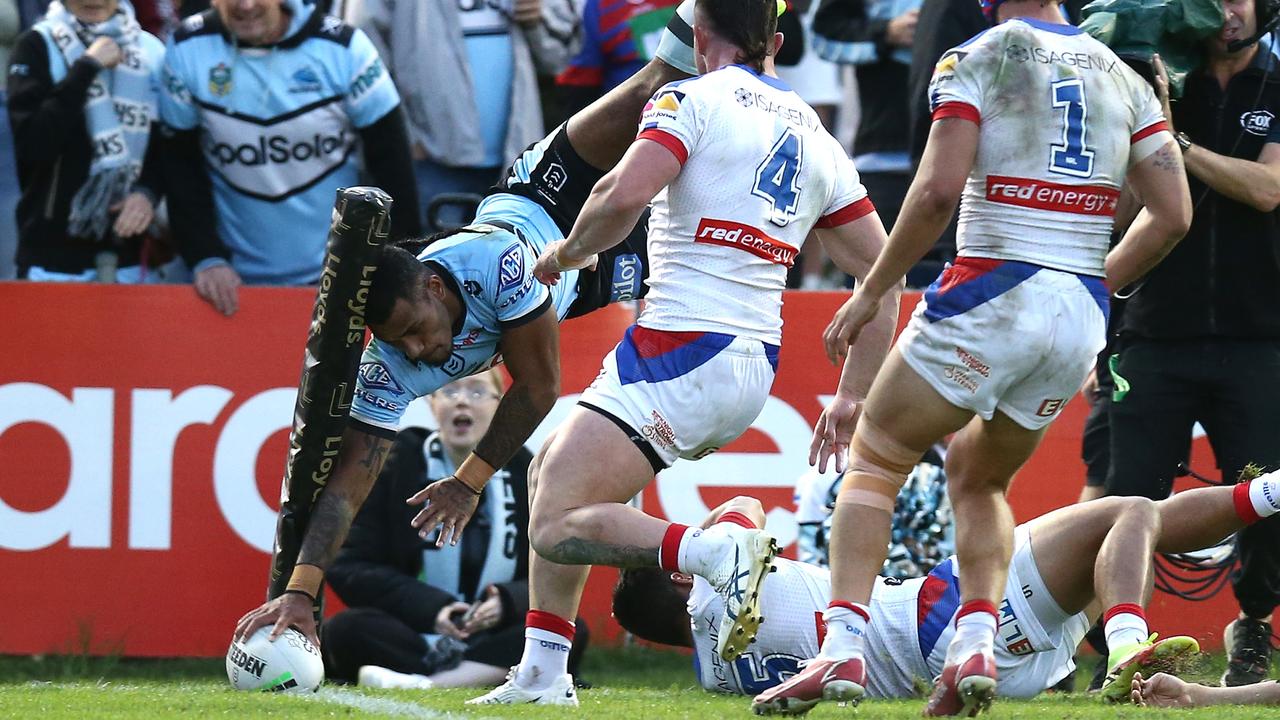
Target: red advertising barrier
[[143, 439]]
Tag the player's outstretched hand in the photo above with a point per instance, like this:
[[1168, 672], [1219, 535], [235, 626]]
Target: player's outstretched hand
[[833, 433], [448, 503], [1161, 690], [292, 609], [552, 262], [847, 324]]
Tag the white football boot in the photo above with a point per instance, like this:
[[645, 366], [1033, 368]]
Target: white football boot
[[559, 692]]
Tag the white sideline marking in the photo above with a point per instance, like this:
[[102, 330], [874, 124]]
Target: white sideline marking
[[386, 706]]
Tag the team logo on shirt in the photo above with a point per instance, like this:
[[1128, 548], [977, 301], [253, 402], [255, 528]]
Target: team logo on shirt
[[1017, 53], [1257, 122], [220, 79], [948, 61], [665, 104], [510, 270], [305, 80]]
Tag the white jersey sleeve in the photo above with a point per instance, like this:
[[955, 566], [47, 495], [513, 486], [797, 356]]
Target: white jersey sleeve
[[957, 88], [672, 120], [1150, 129], [849, 199]]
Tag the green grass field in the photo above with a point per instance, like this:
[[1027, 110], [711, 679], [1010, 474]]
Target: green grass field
[[629, 683]]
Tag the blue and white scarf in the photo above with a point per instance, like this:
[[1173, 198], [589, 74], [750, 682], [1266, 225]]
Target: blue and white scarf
[[121, 103]]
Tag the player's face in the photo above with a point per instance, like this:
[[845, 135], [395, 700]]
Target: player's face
[[419, 328], [92, 11], [1241, 22], [255, 22], [464, 409]]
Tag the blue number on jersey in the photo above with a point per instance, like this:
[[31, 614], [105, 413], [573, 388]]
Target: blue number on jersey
[[756, 675], [1071, 157], [776, 178]]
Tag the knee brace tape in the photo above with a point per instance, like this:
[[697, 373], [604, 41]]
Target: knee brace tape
[[878, 470]]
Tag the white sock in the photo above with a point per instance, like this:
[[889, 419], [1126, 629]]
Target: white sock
[[975, 633], [846, 631], [1125, 628], [1264, 494], [546, 656], [701, 551]]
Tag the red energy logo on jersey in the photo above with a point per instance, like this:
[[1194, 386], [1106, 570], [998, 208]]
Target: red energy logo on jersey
[[745, 237], [1044, 195]]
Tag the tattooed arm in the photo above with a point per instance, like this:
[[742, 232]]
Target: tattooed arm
[[1161, 182], [532, 355], [359, 463]]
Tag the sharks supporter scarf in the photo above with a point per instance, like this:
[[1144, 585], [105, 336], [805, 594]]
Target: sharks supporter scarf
[[118, 114], [443, 567]]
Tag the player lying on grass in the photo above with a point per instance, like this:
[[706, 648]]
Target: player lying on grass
[[1067, 565], [1164, 690], [467, 301]]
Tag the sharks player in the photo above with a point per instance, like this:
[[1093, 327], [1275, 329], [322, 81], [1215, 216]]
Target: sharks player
[[1067, 566], [457, 305]]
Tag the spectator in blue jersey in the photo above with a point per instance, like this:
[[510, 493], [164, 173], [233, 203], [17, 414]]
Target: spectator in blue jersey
[[468, 71], [273, 99], [82, 89], [618, 38]]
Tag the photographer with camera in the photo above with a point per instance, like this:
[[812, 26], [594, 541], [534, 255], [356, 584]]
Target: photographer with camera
[[425, 616], [1201, 333]]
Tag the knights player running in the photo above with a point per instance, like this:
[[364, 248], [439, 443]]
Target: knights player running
[[739, 170], [1036, 128], [1067, 567], [456, 307]]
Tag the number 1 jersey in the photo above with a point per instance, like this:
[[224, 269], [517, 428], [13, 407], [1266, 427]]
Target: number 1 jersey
[[759, 172], [1062, 120]]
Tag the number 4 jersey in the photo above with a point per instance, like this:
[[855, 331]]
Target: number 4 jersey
[[759, 171], [1062, 120]]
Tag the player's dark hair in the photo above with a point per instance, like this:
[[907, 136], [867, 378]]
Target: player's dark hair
[[399, 275], [748, 24], [648, 605]]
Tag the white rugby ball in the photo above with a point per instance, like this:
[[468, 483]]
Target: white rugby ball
[[290, 664]]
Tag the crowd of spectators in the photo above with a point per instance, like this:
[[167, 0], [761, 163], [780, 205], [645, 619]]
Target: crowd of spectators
[[200, 140]]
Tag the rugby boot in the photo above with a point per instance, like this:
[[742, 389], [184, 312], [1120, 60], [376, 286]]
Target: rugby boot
[[737, 575], [1150, 656], [511, 692], [819, 679], [966, 688], [1248, 646]]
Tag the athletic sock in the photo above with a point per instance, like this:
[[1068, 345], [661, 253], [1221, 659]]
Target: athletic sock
[[975, 631], [693, 550], [1125, 624], [547, 641], [1259, 498], [846, 630]]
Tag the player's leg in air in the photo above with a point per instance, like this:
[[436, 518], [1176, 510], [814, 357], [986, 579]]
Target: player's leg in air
[[1098, 555]]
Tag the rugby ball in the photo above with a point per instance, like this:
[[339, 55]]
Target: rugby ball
[[290, 664]]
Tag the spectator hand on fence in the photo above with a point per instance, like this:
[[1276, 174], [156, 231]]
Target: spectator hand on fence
[[219, 286]]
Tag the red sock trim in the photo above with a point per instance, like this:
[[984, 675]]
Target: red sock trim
[[737, 518], [1244, 506], [669, 553], [1131, 608], [855, 609], [550, 623], [977, 606]]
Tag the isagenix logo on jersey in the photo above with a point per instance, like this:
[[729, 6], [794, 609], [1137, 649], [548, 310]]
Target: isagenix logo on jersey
[[277, 149]]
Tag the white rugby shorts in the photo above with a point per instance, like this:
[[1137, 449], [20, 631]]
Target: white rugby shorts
[[682, 394], [1005, 335]]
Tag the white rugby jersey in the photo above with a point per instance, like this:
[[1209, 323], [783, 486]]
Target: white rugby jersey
[[912, 623], [759, 172], [1062, 120]]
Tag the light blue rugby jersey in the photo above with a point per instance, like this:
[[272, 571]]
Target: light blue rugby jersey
[[278, 131], [491, 269]]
